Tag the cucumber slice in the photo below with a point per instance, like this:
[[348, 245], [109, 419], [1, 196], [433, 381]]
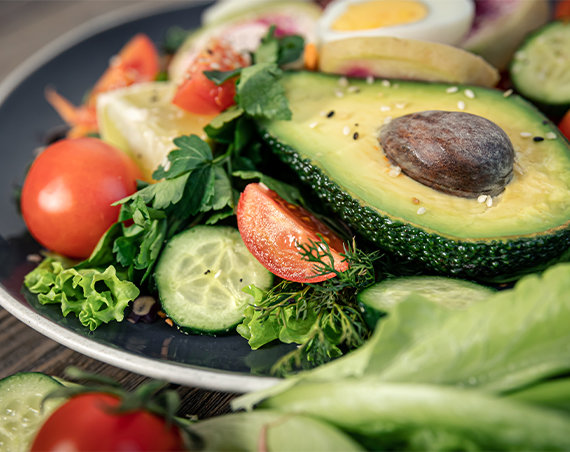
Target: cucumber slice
[[540, 69], [452, 293], [21, 412], [200, 277]]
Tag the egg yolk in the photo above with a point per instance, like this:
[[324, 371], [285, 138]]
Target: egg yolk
[[379, 13]]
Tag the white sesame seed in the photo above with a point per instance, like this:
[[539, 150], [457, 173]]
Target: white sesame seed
[[401, 105], [385, 108], [215, 66], [353, 89], [386, 83], [507, 93], [387, 119], [346, 130], [34, 258], [313, 124], [481, 199], [323, 113], [339, 93], [218, 273], [526, 134], [452, 89], [370, 79], [395, 171], [343, 81], [421, 211], [550, 136], [469, 93], [461, 105], [489, 201]]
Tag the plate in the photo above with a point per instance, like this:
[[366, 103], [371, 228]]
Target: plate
[[72, 64]]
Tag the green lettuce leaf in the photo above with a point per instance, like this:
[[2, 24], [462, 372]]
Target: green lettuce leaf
[[400, 416], [94, 296]]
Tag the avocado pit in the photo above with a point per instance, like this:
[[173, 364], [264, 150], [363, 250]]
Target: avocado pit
[[453, 152]]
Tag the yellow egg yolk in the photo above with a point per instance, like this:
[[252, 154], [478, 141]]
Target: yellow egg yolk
[[379, 13]]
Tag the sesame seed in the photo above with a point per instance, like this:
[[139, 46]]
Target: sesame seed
[[355, 136], [386, 83], [385, 108], [537, 139], [550, 136], [322, 113], [353, 89], [343, 81], [452, 89], [421, 211], [346, 130], [387, 119], [401, 105], [481, 199], [370, 79], [489, 201], [469, 93], [218, 273], [526, 134], [215, 66], [395, 171], [461, 105], [313, 124], [507, 93], [330, 114], [339, 93]]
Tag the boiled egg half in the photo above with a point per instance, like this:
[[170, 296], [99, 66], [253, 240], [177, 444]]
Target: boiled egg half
[[443, 21]]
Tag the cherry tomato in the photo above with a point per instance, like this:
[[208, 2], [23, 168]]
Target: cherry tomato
[[562, 10], [271, 228], [86, 422], [68, 192], [138, 61], [200, 95], [564, 125]]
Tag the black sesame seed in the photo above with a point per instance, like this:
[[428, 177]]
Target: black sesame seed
[[355, 136], [206, 272], [537, 139], [545, 121], [330, 114]]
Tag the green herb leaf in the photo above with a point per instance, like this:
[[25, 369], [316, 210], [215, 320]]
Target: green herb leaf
[[260, 94], [192, 152], [219, 77]]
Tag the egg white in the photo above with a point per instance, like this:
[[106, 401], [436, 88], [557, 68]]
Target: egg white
[[446, 22]]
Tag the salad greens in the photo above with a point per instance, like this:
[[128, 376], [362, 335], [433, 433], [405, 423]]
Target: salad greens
[[495, 376]]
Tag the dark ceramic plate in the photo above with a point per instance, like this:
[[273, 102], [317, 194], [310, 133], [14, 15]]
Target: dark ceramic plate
[[156, 350]]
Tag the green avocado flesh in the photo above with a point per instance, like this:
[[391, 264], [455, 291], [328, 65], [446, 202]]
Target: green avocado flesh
[[338, 154]]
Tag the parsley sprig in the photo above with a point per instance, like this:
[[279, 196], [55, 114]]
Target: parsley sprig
[[324, 319]]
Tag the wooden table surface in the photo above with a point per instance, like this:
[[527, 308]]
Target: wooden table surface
[[25, 27]]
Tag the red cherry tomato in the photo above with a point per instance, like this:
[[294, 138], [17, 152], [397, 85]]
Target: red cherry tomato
[[271, 228], [86, 423], [68, 192], [200, 95], [562, 10], [138, 61], [564, 125]]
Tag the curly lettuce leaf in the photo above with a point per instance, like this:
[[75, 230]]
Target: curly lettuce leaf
[[94, 296]]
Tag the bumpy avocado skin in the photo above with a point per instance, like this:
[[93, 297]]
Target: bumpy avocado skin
[[493, 260]]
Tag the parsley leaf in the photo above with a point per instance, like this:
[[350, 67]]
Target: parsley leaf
[[260, 94]]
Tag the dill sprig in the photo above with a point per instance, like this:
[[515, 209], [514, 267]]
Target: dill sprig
[[324, 318]]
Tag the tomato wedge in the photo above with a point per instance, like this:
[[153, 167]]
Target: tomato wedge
[[200, 95], [138, 61], [272, 228]]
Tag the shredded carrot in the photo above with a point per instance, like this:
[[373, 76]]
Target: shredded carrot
[[311, 57], [82, 119]]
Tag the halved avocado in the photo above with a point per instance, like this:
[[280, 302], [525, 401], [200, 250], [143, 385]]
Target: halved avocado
[[332, 142]]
